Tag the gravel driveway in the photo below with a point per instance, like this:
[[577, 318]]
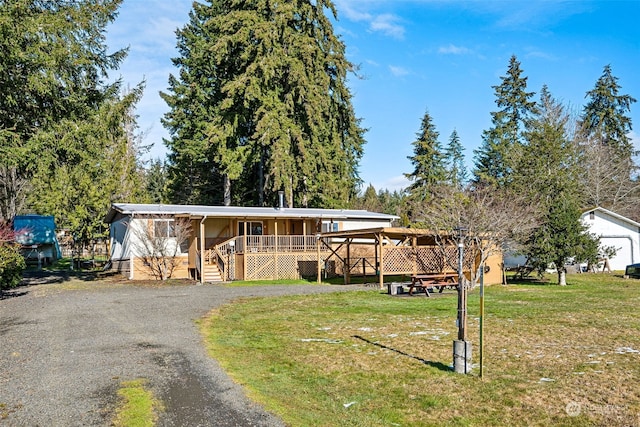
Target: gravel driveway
[[64, 353]]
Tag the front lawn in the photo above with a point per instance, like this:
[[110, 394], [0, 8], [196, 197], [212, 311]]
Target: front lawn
[[553, 356]]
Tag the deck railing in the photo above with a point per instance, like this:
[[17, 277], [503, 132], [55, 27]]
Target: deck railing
[[222, 253]]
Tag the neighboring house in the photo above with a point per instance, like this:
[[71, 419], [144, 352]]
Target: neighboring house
[[227, 242], [617, 231], [37, 235]]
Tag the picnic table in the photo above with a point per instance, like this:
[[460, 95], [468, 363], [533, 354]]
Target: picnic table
[[438, 281]]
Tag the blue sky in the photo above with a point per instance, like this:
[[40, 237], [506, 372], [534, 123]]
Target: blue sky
[[419, 55]]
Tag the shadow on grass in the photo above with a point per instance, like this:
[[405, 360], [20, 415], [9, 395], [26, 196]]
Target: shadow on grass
[[438, 365]]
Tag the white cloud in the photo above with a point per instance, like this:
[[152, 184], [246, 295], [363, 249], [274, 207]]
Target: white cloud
[[385, 23], [452, 49], [388, 25], [396, 183], [398, 71]]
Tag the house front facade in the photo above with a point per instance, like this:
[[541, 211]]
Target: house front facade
[[615, 231], [228, 243]]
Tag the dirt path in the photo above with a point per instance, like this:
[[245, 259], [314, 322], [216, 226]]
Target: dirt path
[[64, 353]]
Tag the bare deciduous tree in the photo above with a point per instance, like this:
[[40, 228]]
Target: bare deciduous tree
[[158, 241], [609, 181], [492, 220]]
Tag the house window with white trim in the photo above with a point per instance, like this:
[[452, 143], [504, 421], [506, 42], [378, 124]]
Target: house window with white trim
[[330, 226], [164, 228]]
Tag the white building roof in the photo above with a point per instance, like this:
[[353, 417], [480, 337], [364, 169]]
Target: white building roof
[[612, 214], [242, 212]]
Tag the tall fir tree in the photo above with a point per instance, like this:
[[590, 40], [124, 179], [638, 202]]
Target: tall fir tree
[[427, 161], [67, 147], [548, 174], [502, 142], [609, 169], [454, 161], [605, 116], [548, 167], [261, 105], [53, 67]]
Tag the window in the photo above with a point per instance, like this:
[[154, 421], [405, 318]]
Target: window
[[253, 228], [164, 228], [330, 226]]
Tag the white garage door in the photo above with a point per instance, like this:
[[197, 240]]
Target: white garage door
[[624, 255]]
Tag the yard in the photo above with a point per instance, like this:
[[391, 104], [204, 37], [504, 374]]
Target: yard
[[553, 356]]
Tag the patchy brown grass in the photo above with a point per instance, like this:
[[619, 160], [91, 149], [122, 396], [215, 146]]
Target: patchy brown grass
[[553, 356]]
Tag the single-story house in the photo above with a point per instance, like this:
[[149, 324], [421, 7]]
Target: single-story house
[[260, 243], [37, 236], [617, 231], [230, 242]]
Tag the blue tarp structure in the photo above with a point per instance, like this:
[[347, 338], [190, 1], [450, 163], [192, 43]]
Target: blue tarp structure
[[37, 232]]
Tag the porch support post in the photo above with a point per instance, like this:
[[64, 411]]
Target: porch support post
[[414, 245], [318, 258], [347, 277], [275, 254], [381, 268], [202, 255], [245, 249]]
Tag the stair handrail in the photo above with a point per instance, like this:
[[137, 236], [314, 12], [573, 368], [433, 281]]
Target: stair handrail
[[222, 251]]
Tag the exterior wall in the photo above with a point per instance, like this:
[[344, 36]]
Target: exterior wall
[[216, 230], [622, 235], [141, 272]]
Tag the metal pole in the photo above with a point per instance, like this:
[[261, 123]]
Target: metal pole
[[481, 317], [462, 309]]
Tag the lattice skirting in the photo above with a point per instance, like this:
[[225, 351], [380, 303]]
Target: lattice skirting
[[403, 260], [396, 260], [272, 266]]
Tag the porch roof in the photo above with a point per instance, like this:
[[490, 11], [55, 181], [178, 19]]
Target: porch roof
[[395, 233], [199, 211]]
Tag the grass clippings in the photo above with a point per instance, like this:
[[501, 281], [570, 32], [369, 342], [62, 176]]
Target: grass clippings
[[552, 356]]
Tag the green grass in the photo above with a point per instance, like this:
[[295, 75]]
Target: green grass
[[366, 358], [138, 407]]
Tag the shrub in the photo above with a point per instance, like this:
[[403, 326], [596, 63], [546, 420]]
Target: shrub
[[11, 266]]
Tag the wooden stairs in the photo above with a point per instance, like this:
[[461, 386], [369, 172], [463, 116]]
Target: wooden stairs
[[212, 274]]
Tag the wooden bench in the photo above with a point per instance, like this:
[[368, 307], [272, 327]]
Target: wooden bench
[[425, 282]]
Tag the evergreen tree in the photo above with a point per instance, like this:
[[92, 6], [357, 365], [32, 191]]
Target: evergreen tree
[[562, 237], [502, 142], [52, 68], [547, 174], [428, 162], [156, 181], [454, 159], [548, 167], [84, 166], [605, 117], [609, 170], [369, 200], [261, 102]]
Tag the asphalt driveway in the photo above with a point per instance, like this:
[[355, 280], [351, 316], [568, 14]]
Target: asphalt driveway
[[64, 353]]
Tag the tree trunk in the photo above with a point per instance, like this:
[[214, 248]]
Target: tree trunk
[[562, 277], [261, 180], [227, 190]]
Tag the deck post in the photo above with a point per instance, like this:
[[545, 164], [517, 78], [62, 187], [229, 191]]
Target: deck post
[[202, 254], [381, 267], [318, 258], [275, 250]]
